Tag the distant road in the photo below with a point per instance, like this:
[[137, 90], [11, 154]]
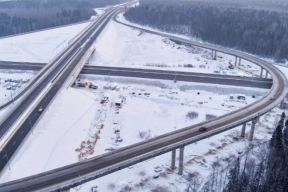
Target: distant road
[[157, 74]]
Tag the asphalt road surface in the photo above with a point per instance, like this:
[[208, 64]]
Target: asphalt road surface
[[157, 74], [65, 66]]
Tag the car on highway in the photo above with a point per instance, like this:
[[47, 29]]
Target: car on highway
[[201, 129], [272, 98], [40, 109]]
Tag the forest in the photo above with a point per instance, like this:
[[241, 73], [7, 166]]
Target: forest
[[28, 15], [257, 31], [262, 167]]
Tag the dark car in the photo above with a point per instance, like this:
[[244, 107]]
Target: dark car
[[201, 129]]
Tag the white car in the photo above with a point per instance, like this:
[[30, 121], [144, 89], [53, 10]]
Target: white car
[[157, 169], [40, 109]]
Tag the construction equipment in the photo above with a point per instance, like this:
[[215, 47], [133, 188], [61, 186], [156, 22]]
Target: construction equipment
[[231, 66]]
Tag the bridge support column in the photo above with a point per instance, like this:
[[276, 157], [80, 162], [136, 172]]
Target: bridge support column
[[254, 121], [282, 104], [212, 54], [236, 61], [266, 76], [215, 54], [173, 159], [243, 130], [181, 160], [239, 63], [261, 73]]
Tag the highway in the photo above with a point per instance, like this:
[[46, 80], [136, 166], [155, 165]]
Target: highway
[[180, 76], [53, 75], [158, 74], [95, 167]]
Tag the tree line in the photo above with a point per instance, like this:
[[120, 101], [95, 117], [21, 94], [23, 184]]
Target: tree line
[[259, 32], [268, 174], [261, 167], [29, 15]]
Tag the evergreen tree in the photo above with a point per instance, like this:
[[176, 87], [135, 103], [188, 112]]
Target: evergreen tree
[[234, 182], [276, 166], [260, 32], [276, 142], [285, 135]]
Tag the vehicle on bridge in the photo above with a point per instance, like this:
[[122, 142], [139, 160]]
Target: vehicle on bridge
[[201, 129], [40, 109]]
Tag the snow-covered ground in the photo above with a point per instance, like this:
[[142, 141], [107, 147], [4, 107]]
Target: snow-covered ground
[[39, 46], [64, 127], [123, 46], [8, 87]]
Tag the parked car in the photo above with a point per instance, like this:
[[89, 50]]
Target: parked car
[[93, 87], [201, 129], [155, 176], [157, 169]]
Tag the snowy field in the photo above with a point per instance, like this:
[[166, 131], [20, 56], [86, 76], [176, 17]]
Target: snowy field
[[89, 128], [39, 46], [123, 46]]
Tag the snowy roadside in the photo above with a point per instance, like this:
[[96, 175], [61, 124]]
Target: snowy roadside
[[121, 46], [39, 46], [70, 129]]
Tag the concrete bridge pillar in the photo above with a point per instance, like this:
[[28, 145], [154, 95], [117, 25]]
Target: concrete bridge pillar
[[239, 61], [261, 73], [243, 130], [212, 54], [282, 104], [181, 160], [215, 54], [173, 159], [266, 76], [254, 121], [236, 61]]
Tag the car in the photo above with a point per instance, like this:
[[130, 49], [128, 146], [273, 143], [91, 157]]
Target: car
[[272, 98], [155, 176], [40, 109], [93, 87], [157, 169], [201, 129]]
